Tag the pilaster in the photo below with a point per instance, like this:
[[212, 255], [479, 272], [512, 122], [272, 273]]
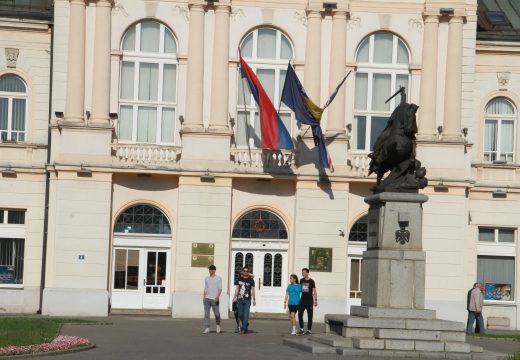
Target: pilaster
[[75, 100]]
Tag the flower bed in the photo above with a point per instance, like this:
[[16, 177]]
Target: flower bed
[[60, 343]]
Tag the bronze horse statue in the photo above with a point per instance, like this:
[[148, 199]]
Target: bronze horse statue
[[394, 151]]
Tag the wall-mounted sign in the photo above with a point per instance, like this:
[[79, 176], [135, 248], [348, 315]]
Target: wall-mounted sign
[[320, 259], [202, 254]]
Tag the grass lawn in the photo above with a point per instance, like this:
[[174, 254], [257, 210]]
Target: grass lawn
[[27, 330], [511, 336]]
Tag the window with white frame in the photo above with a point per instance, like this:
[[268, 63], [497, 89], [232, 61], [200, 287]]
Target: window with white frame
[[267, 51], [382, 67], [496, 262], [13, 108], [12, 242], [148, 85], [357, 238], [499, 130]]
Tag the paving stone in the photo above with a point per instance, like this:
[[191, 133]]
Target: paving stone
[[458, 347], [364, 343], [476, 349], [456, 336], [351, 352], [429, 346], [432, 355], [309, 346], [399, 345], [457, 356], [358, 332], [393, 354], [407, 334], [373, 312], [444, 325], [331, 340], [357, 321]]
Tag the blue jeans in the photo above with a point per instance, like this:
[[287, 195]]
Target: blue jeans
[[243, 306], [472, 316]]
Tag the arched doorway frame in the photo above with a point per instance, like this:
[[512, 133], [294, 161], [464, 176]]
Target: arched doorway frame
[[147, 262], [270, 286]]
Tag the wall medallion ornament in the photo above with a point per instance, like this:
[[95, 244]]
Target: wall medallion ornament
[[183, 10], [11, 57], [402, 236], [503, 79], [415, 24], [353, 21], [301, 17]]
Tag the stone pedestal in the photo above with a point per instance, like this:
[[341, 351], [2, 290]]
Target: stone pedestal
[[392, 320], [393, 268]]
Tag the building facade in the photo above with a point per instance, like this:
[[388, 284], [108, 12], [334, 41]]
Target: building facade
[[131, 159]]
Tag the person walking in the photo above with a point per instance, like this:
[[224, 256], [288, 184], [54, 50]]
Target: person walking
[[308, 299], [212, 291], [244, 291], [476, 301], [292, 299]]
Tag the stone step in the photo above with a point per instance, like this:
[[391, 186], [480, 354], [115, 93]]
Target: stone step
[[368, 311], [331, 340], [476, 349], [305, 344], [368, 343], [400, 334]]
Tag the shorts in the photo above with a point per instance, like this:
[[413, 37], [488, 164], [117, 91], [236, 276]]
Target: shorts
[[293, 308]]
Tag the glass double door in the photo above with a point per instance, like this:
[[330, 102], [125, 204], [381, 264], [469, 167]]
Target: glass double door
[[270, 270], [140, 278]]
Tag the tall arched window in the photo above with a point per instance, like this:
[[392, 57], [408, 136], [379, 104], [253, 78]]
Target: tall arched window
[[499, 132], [383, 65], [142, 219], [13, 108], [148, 85], [267, 51]]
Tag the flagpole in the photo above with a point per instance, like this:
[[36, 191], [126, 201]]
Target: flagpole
[[246, 112]]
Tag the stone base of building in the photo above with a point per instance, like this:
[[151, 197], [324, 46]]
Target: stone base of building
[[20, 301], [75, 302], [391, 332]]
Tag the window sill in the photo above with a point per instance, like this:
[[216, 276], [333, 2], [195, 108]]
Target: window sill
[[11, 286]]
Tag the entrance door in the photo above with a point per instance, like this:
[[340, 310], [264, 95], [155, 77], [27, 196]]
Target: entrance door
[[140, 279], [270, 270]]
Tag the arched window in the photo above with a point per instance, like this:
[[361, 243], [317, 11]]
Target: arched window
[[499, 132], [383, 65], [267, 51], [259, 224], [148, 85], [359, 231], [142, 219], [13, 108]]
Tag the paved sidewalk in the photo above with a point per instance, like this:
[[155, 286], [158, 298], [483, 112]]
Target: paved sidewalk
[[139, 337]]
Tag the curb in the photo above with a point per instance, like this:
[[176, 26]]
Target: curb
[[59, 352]]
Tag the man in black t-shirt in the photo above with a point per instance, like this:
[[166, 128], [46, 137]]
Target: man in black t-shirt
[[244, 291], [308, 299]]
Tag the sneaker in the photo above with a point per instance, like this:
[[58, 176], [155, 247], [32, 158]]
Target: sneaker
[[300, 332], [293, 333], [237, 330], [206, 331], [308, 332], [218, 329]]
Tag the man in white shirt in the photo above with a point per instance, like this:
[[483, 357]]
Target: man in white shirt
[[212, 290], [475, 303]]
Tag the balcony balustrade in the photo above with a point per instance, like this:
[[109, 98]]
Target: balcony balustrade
[[145, 154], [358, 163], [264, 160]]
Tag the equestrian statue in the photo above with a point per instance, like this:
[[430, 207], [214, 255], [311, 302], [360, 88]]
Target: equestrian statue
[[394, 151]]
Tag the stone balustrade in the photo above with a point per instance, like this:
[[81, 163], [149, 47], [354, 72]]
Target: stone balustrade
[[145, 154], [358, 163], [263, 159]]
